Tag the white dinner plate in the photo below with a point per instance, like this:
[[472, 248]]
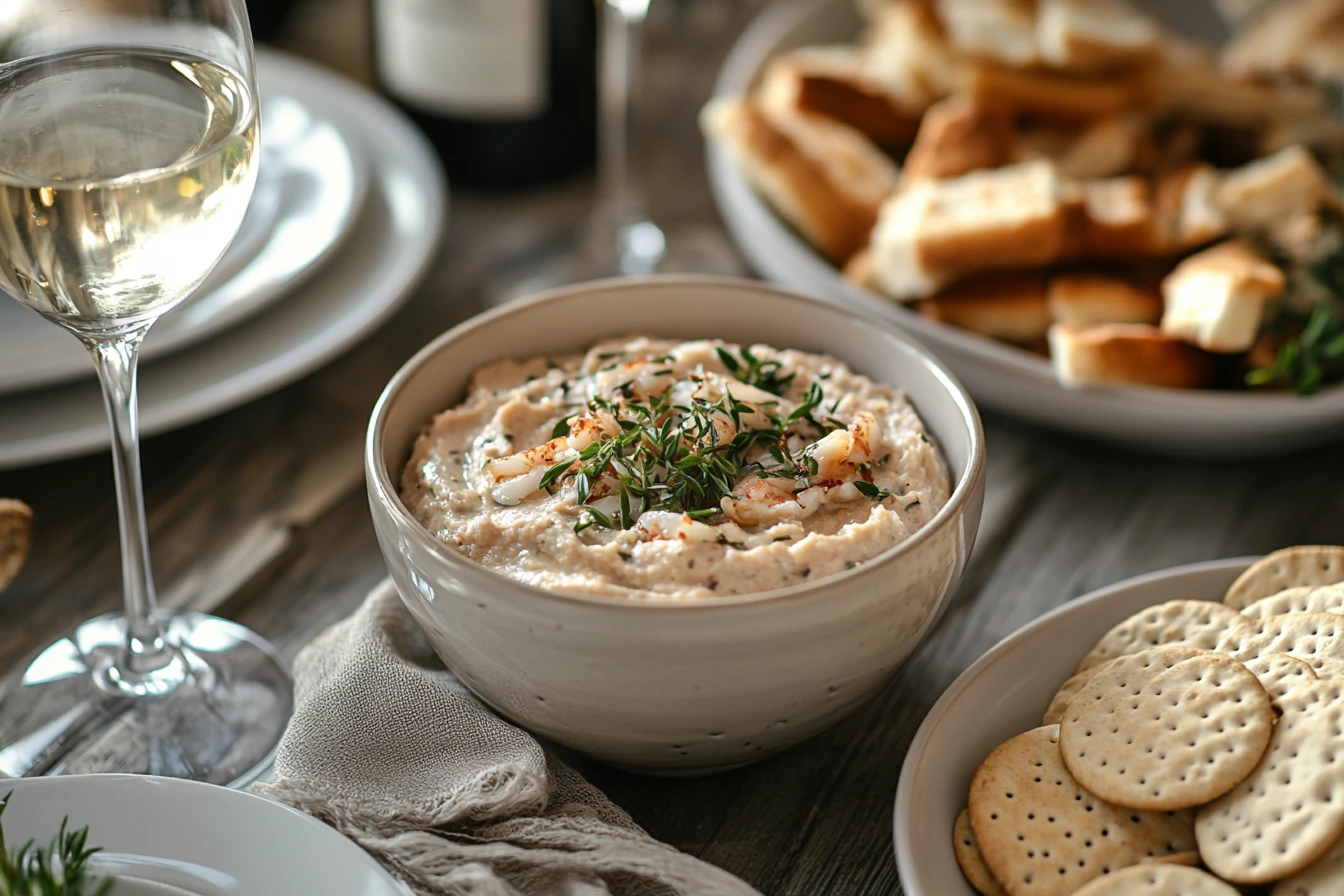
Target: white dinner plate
[[383, 259], [167, 837], [998, 375], [1003, 694], [312, 180]]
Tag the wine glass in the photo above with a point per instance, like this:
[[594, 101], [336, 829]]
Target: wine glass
[[128, 148], [619, 236]]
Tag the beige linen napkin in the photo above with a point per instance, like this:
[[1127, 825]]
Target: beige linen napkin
[[388, 747]]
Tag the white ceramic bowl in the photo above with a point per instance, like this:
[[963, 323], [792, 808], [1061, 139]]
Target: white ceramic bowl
[[656, 684], [1003, 694], [1000, 376]]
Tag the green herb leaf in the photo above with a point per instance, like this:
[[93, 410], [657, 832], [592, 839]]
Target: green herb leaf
[[61, 869], [555, 473], [561, 428], [870, 490]]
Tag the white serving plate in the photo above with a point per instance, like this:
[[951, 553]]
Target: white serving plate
[[311, 185], [1003, 694], [998, 375], [168, 837], [395, 239]]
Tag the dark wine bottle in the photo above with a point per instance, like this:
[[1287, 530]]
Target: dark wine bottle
[[506, 90]]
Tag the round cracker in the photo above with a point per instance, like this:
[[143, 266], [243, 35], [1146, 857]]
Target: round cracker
[[1194, 623], [1313, 564], [969, 858], [1324, 877], [1042, 834], [1280, 673], [16, 538], [1151, 879], [1303, 599], [1149, 737], [1171, 655], [1290, 811], [1308, 636]]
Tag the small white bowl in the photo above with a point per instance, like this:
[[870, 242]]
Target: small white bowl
[[1003, 694], [657, 684]]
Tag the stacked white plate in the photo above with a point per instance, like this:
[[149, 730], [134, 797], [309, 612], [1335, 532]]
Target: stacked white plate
[[340, 169]]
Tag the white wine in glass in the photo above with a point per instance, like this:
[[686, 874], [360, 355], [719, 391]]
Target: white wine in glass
[[128, 145]]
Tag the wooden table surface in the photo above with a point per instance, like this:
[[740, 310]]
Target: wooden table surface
[[1063, 516]]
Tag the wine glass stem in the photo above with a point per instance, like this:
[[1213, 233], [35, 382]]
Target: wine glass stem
[[116, 358], [619, 196]]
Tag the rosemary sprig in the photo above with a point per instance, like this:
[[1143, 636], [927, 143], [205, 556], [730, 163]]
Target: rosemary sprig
[[59, 870]]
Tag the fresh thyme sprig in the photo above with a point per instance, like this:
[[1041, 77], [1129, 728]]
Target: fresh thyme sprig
[[1312, 352], [59, 870], [755, 372], [674, 457], [1313, 358]]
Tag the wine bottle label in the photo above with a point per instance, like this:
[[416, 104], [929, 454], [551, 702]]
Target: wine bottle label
[[476, 58]]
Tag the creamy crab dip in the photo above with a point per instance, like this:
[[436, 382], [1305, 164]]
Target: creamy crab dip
[[681, 469]]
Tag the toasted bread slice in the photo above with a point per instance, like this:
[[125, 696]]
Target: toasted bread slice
[[1099, 299], [935, 231], [1275, 43], [860, 172], [958, 136], [16, 538], [906, 49], [1216, 298], [1187, 215], [1108, 147], [1125, 354], [1323, 56], [1110, 218], [1011, 307], [1055, 96], [1003, 30], [788, 179], [861, 270], [1095, 35], [1261, 195], [1206, 95], [836, 82]]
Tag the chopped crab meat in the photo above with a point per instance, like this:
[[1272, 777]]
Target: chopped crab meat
[[838, 454], [514, 491], [763, 501], [520, 474], [640, 379], [658, 525]]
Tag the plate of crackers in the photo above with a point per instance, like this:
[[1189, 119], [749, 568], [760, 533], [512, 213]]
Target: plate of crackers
[[1101, 223], [1177, 734]]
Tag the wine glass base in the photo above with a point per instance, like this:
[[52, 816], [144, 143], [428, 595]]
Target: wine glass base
[[214, 713], [636, 249]]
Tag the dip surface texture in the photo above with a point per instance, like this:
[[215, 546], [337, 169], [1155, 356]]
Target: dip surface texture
[[676, 469]]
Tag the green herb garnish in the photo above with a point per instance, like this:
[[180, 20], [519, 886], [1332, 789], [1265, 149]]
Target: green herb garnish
[[870, 490], [61, 869], [755, 372], [683, 458], [1311, 359]]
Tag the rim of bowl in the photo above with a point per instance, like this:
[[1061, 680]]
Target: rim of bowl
[[919, 745], [389, 497]]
